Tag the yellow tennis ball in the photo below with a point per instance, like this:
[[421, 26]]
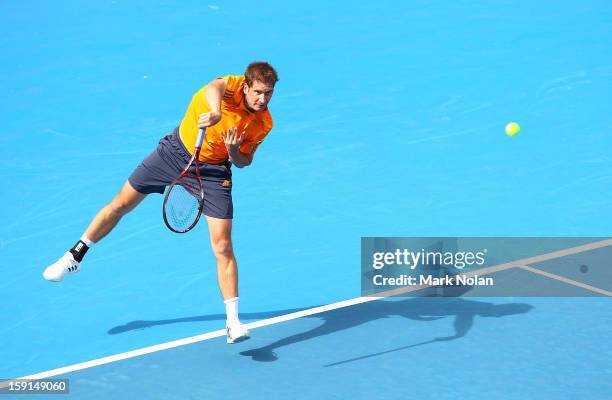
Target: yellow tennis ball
[[512, 129]]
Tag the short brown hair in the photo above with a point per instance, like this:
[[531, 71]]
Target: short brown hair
[[262, 72]]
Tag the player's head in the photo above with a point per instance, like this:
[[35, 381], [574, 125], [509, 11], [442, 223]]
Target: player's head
[[260, 78]]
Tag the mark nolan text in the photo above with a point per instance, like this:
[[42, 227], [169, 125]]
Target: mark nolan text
[[428, 280]]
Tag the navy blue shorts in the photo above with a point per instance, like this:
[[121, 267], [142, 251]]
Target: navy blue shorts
[[167, 161]]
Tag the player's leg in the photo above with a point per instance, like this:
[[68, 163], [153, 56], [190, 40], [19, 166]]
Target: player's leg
[[219, 209], [227, 267], [152, 176], [227, 275], [106, 219]]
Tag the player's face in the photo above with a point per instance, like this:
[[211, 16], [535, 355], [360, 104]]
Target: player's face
[[258, 95]]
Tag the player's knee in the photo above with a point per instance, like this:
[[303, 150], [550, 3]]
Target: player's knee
[[119, 206], [222, 247], [125, 201]]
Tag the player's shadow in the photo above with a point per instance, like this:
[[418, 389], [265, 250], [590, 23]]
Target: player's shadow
[[463, 311], [254, 316], [429, 307], [139, 325]]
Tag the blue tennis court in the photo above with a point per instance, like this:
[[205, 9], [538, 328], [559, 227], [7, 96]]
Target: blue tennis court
[[389, 121]]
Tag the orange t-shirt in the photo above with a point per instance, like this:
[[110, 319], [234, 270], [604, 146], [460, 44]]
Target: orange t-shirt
[[256, 125]]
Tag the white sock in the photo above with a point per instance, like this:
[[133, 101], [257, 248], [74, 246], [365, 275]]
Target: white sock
[[86, 240], [231, 310]]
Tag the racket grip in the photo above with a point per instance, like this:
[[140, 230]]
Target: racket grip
[[200, 137]]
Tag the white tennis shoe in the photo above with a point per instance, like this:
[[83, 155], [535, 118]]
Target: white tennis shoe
[[65, 265], [237, 333]]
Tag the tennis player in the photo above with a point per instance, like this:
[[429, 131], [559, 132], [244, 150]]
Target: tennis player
[[234, 111]]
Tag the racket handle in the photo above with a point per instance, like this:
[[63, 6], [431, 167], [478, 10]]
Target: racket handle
[[200, 138]]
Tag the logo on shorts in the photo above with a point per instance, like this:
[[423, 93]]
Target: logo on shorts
[[227, 183]]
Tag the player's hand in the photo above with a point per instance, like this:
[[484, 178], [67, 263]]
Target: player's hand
[[233, 140], [209, 119]]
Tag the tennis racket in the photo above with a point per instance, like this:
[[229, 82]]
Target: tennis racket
[[184, 200]]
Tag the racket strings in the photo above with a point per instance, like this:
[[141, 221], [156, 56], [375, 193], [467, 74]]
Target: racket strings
[[183, 204]]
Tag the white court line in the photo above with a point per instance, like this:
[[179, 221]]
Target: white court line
[[195, 339], [566, 280], [304, 313]]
